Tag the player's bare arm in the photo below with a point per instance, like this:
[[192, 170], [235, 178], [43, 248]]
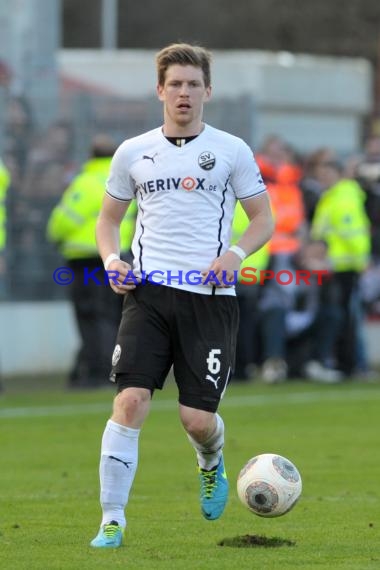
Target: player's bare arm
[[108, 240], [256, 235], [261, 224]]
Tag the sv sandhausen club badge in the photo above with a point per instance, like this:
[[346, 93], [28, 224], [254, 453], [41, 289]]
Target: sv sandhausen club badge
[[206, 160]]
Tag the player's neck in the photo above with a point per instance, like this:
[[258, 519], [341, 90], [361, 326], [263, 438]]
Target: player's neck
[[177, 131]]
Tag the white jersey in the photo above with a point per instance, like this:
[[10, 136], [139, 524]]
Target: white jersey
[[186, 199]]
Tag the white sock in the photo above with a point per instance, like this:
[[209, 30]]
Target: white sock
[[210, 451], [118, 463]]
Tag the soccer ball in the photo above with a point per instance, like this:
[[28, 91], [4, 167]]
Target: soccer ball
[[269, 485]]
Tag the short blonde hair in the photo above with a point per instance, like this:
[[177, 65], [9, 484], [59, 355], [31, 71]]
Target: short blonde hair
[[183, 54]]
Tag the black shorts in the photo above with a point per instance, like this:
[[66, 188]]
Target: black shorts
[[162, 326]]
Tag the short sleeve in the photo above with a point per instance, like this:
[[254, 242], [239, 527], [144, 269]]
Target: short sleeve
[[246, 179], [119, 184]]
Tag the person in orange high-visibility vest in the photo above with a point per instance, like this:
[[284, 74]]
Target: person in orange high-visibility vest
[[282, 178], [287, 204]]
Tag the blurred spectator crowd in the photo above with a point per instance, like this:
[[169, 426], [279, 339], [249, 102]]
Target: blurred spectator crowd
[[327, 214], [40, 164], [327, 218]]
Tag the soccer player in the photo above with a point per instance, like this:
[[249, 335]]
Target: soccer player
[[186, 177]]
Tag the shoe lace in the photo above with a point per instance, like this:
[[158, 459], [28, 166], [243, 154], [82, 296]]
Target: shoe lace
[[208, 482], [111, 529]]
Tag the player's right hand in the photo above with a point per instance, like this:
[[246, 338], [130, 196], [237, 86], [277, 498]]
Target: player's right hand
[[121, 277]]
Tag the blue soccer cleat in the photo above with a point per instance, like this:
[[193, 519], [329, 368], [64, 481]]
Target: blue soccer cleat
[[109, 536], [214, 491]]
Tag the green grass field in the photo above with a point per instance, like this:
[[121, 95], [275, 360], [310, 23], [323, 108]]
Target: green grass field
[[49, 484]]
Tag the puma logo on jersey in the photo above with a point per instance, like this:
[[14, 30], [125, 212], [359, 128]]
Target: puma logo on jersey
[[146, 157], [213, 380]]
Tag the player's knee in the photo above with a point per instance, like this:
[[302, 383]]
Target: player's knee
[[132, 401], [199, 425]]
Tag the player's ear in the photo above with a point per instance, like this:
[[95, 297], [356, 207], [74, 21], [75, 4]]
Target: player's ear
[[160, 91], [208, 93]]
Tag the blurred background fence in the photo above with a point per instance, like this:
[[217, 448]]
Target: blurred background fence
[[309, 106], [43, 163], [53, 100]]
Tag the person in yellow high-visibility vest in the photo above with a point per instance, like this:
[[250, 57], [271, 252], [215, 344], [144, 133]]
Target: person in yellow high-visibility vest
[[247, 290], [4, 184], [71, 227], [340, 220]]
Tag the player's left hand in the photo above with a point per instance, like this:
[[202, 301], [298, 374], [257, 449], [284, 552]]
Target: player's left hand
[[225, 269]]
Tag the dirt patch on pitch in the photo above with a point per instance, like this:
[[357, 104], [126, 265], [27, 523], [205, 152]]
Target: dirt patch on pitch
[[255, 541]]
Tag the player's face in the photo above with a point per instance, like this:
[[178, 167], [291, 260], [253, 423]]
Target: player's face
[[183, 95]]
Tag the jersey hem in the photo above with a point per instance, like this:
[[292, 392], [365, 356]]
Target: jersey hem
[[253, 195], [117, 198], [200, 289]]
